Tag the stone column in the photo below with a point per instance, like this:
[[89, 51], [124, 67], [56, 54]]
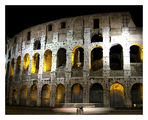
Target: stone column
[[52, 95], [86, 94], [28, 96], [30, 64], [40, 66], [66, 93], [68, 65], [128, 96], [126, 52], [54, 61], [18, 95], [87, 40], [39, 95], [106, 67], [14, 70], [106, 93]]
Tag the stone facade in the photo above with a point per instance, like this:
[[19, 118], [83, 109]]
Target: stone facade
[[76, 33]]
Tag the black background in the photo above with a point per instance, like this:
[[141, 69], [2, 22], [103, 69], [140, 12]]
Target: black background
[[19, 17]]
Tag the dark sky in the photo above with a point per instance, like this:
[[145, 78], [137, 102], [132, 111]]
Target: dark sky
[[19, 18]]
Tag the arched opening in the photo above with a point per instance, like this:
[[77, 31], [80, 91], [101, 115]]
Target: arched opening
[[137, 95], [47, 61], [23, 95], [96, 94], [33, 95], [37, 45], [116, 58], [60, 94], [45, 97], [26, 62], [96, 59], [77, 93], [117, 95], [35, 63], [18, 64], [77, 57], [97, 38], [12, 67], [136, 54], [14, 95], [61, 57]]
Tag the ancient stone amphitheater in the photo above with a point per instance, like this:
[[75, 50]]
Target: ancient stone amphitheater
[[89, 60]]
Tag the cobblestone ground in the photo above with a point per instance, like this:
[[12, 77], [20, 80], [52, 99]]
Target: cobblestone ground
[[70, 111]]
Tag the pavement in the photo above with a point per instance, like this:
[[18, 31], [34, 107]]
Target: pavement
[[24, 110]]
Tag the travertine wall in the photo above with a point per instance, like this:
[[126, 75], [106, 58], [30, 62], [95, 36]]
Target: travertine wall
[[78, 32]]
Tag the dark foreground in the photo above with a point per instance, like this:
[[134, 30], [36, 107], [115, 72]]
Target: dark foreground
[[21, 110]]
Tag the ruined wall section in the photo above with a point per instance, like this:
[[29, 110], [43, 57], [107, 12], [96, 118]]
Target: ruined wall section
[[78, 32]]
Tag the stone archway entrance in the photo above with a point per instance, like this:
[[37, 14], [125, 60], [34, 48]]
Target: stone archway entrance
[[45, 99], [137, 95], [33, 95], [23, 95], [117, 95], [60, 94], [77, 93], [96, 94]]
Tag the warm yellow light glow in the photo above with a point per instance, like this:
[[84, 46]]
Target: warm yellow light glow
[[141, 91], [12, 67], [76, 89], [117, 88], [26, 62], [46, 94], [140, 51], [24, 92], [134, 105], [73, 53], [35, 63], [33, 93], [60, 90], [79, 64], [47, 61]]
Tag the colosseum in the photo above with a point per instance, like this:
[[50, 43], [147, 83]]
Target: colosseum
[[92, 59]]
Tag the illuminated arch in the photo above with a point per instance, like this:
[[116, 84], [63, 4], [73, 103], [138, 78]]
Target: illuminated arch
[[77, 56], [117, 95], [18, 64], [12, 67], [35, 63], [77, 93], [45, 97], [33, 95], [137, 94], [61, 57], [47, 61], [26, 62], [60, 94], [136, 53], [96, 93], [116, 57], [96, 61], [23, 95]]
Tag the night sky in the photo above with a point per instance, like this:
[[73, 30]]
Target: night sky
[[19, 18]]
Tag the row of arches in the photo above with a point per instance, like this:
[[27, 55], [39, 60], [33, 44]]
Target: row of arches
[[96, 94], [96, 59]]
